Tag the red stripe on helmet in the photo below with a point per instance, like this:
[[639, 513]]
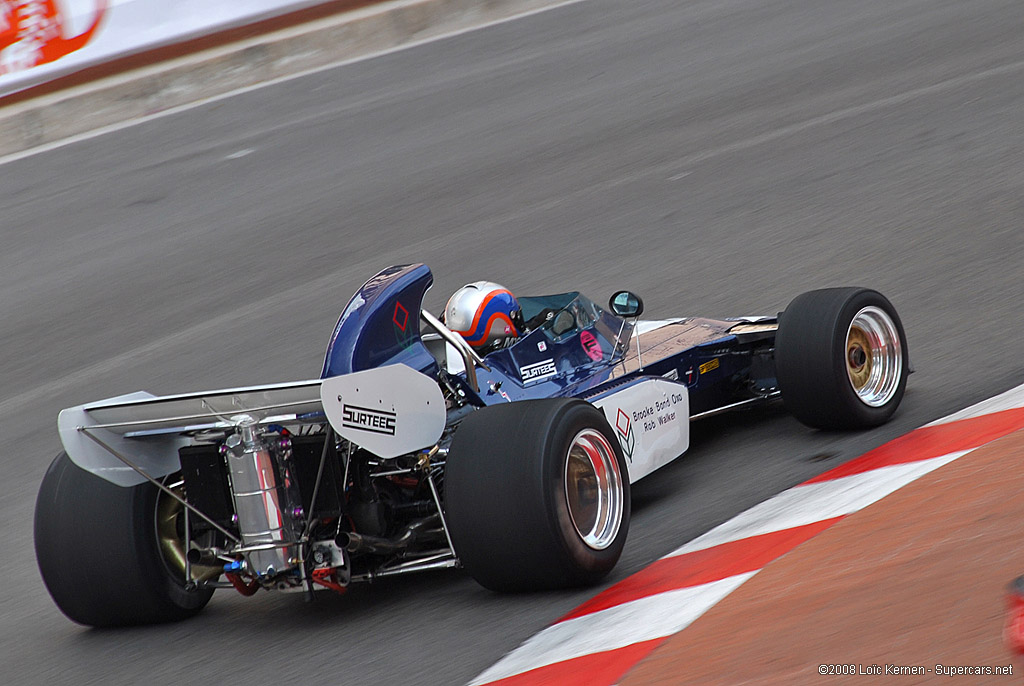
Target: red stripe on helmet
[[479, 313]]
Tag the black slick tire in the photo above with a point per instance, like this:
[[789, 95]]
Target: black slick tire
[[96, 545], [821, 347], [506, 498]]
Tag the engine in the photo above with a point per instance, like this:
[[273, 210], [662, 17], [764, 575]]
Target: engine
[[309, 508]]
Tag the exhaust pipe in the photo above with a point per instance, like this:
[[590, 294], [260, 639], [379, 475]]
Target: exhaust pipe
[[359, 543]]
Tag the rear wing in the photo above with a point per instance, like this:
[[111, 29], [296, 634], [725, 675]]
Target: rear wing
[[121, 438], [390, 411]]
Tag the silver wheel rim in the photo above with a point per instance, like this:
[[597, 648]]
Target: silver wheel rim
[[874, 356], [593, 489]]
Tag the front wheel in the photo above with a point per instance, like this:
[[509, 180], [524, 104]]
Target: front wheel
[[841, 358], [109, 555], [537, 495]]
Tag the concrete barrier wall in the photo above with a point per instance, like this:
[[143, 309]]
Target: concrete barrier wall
[[195, 76], [42, 40]]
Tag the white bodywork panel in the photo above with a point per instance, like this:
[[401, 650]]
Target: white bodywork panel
[[390, 410], [651, 419], [157, 456], [146, 428]]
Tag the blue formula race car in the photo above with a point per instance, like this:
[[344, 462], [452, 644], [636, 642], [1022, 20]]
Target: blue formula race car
[[417, 449]]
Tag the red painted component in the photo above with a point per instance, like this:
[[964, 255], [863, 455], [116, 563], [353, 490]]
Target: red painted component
[[932, 441], [404, 481], [327, 579], [245, 589], [702, 566]]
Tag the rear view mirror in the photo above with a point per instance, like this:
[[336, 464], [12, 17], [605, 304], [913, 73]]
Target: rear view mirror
[[626, 304]]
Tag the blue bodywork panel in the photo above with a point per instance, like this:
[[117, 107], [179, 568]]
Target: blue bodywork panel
[[545, 365], [381, 324]]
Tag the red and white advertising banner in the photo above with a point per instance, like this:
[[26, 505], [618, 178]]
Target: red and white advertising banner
[[44, 39]]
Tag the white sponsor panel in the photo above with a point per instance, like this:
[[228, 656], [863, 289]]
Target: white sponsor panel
[[44, 39], [651, 419], [390, 411]]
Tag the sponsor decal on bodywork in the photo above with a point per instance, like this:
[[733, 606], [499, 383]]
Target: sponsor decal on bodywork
[[364, 407], [661, 412], [624, 430], [400, 317], [537, 370], [650, 419], [367, 419], [404, 334], [709, 366], [590, 346], [691, 375]]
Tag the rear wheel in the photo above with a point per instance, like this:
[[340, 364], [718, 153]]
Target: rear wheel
[[537, 495], [841, 358], [109, 555]]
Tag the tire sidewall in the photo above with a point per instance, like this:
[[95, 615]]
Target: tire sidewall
[[810, 359], [505, 500], [97, 550]]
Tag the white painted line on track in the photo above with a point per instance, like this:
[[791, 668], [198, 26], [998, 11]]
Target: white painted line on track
[[652, 617], [810, 503], [672, 168], [1009, 400], [847, 113]]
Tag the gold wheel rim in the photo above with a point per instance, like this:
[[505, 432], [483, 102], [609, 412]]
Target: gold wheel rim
[[858, 357], [169, 514]]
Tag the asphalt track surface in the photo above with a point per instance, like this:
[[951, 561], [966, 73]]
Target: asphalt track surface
[[717, 157]]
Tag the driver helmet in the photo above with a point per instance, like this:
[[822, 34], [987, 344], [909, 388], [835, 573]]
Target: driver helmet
[[486, 314]]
